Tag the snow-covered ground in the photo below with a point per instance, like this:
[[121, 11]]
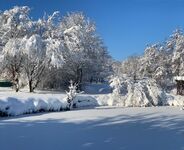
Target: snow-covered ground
[[108, 128], [13, 104]]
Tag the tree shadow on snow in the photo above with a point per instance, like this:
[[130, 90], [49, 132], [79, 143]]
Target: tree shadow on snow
[[123, 132]]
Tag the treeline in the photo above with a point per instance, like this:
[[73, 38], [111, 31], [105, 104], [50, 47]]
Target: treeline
[[51, 51], [160, 61]]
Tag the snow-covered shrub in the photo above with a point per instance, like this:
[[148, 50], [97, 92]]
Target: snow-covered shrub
[[145, 92], [3, 113], [71, 94], [85, 101], [22, 103], [116, 97], [115, 83]]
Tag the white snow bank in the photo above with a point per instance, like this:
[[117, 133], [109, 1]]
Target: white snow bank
[[23, 103]]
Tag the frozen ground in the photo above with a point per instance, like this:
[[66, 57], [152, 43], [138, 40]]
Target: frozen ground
[[102, 128]]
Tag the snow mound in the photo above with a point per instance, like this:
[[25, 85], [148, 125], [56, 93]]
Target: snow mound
[[85, 101]]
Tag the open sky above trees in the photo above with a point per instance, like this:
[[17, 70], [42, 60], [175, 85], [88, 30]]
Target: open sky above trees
[[126, 26]]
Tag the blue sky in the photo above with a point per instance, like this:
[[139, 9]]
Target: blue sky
[[126, 26]]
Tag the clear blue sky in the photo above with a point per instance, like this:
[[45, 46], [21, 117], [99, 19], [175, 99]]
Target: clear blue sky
[[126, 26]]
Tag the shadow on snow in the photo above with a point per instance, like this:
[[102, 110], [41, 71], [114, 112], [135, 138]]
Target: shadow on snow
[[123, 132]]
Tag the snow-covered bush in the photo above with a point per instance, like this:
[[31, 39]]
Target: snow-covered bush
[[71, 94], [12, 104], [116, 96], [145, 92], [116, 84]]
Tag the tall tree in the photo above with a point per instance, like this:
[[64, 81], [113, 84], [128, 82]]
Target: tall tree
[[13, 60], [83, 51]]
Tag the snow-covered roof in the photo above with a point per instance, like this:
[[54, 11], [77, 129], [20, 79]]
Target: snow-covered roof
[[181, 78]]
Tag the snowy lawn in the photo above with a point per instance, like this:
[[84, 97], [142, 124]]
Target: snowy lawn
[[102, 128]]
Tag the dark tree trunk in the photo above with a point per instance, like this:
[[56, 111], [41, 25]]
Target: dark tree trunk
[[30, 86], [178, 68], [180, 87], [79, 78], [17, 85], [135, 78]]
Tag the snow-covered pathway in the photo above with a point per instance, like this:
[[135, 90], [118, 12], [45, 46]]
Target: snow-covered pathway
[[103, 128]]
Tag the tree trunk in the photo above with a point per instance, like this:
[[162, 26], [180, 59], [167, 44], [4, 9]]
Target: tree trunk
[[30, 86], [79, 78], [135, 78], [17, 85], [178, 68]]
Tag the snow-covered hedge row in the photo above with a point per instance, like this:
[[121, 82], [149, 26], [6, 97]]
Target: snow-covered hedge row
[[13, 106]]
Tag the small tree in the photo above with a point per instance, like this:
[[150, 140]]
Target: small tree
[[71, 94]]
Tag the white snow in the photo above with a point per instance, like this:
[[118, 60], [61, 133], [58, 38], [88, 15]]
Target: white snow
[[139, 93], [96, 88], [14, 104], [109, 128], [179, 78]]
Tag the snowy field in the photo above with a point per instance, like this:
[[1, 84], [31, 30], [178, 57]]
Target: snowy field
[[108, 128]]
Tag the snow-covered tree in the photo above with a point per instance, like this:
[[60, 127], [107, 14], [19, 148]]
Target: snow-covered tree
[[149, 60], [69, 45], [35, 60], [71, 94], [15, 23], [131, 67], [178, 53], [13, 60], [84, 51]]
